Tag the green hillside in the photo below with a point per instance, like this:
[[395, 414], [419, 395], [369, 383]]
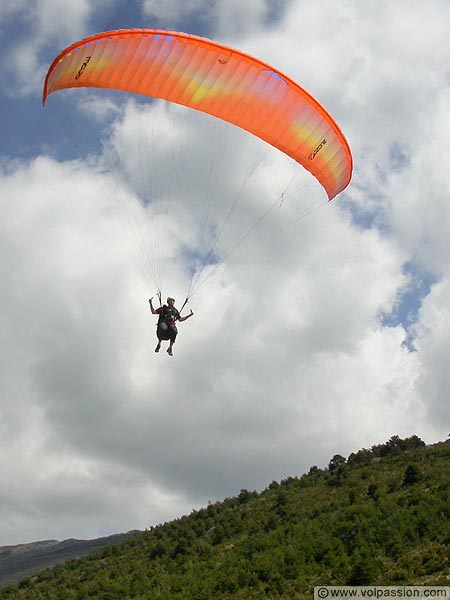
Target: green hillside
[[381, 516]]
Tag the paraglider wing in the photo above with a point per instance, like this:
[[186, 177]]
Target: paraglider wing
[[214, 79]]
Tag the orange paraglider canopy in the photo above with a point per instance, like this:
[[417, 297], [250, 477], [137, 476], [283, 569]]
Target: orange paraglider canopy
[[214, 79]]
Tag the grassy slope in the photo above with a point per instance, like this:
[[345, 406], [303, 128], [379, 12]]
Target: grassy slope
[[384, 521]]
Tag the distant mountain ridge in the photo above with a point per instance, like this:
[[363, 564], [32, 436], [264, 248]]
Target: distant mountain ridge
[[23, 560]]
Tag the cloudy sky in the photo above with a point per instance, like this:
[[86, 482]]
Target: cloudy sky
[[330, 336]]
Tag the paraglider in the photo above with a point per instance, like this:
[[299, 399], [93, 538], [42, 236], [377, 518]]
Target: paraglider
[[166, 328], [217, 80]]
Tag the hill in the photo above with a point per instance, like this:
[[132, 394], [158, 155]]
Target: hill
[[17, 562], [381, 516]]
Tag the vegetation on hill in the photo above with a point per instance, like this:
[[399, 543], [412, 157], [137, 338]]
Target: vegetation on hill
[[381, 516]]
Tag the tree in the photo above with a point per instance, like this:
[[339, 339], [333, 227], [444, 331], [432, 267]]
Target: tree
[[336, 462], [365, 569], [412, 475], [372, 491]]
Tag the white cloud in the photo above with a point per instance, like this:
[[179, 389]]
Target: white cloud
[[8, 10], [223, 18], [433, 345], [172, 11], [274, 346], [418, 207], [60, 19], [55, 23]]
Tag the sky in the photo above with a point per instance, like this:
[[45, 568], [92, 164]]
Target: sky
[[320, 338]]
